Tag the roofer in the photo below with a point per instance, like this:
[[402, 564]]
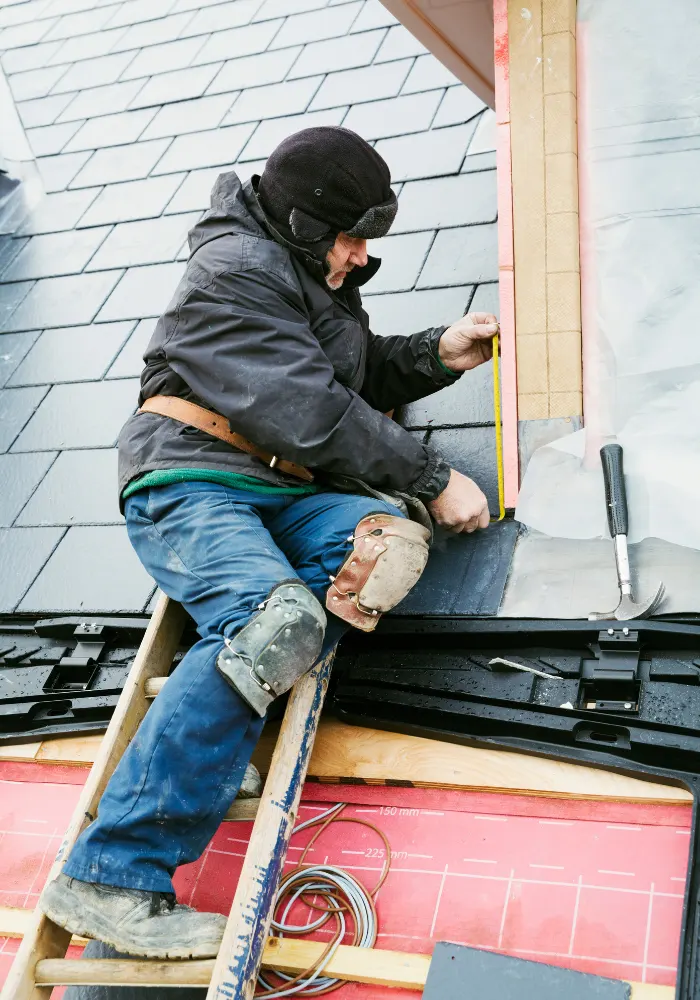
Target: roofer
[[262, 368]]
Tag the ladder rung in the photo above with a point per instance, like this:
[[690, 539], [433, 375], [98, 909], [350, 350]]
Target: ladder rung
[[362, 965]]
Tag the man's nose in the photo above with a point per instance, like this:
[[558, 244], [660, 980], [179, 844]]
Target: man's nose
[[359, 257]]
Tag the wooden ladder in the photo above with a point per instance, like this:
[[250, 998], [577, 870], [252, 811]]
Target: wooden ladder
[[235, 971]]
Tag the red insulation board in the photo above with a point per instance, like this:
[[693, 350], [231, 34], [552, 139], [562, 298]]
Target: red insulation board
[[587, 885]]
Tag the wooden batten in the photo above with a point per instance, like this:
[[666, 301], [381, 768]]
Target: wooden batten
[[544, 173]]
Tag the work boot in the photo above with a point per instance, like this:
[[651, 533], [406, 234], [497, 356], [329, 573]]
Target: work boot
[[251, 786], [148, 924]]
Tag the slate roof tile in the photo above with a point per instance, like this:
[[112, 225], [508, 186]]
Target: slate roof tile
[[87, 46], [309, 27], [107, 100], [458, 105], [23, 553], [479, 161], [270, 133], [223, 15], [428, 74], [409, 312], [163, 58], [435, 154], [180, 85], [57, 212], [373, 15], [237, 42], [76, 354], [459, 255], [13, 347], [203, 149], [144, 199], [397, 116], [484, 140], [402, 260], [254, 71], [467, 401], [74, 579], [134, 11], [66, 301], [43, 110], [35, 82], [10, 297], [80, 23], [16, 409], [335, 54], [142, 292], [151, 241], [25, 34], [20, 475], [398, 44], [111, 130], [20, 13], [129, 361], [121, 163], [29, 57], [486, 299], [195, 192], [59, 421], [278, 8], [464, 200], [473, 454], [365, 84], [79, 489], [50, 139], [152, 32], [95, 72], [190, 116], [58, 171], [274, 101]]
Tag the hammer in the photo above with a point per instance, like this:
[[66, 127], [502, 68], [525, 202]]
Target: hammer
[[616, 503]]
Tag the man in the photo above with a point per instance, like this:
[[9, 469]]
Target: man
[[261, 369]]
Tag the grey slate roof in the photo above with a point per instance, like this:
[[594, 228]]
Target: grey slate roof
[[132, 109]]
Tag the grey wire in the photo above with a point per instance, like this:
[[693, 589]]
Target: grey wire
[[304, 881]]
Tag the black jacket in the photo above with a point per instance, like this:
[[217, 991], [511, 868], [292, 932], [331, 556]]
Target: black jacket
[[254, 333]]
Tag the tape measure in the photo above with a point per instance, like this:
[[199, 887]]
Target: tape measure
[[499, 432]]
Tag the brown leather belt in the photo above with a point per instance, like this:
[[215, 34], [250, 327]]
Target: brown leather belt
[[213, 423]]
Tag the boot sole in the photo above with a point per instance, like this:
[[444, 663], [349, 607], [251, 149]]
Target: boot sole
[[97, 928]]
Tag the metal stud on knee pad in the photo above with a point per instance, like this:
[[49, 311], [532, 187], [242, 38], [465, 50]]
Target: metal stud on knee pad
[[277, 646]]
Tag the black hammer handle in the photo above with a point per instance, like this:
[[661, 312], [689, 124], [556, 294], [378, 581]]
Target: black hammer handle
[[615, 494]]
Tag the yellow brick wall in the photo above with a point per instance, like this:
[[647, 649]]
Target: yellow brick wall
[[542, 45]]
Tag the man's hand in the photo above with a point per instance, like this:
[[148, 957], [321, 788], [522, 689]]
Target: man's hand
[[468, 342], [461, 506]]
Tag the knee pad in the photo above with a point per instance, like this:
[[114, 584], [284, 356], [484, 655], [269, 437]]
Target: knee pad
[[387, 560], [279, 644]]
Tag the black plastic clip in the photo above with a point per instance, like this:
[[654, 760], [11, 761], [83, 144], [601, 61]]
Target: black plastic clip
[[611, 681]]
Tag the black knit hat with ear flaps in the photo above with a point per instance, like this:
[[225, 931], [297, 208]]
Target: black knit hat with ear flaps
[[328, 180]]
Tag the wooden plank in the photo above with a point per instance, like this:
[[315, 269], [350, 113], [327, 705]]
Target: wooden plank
[[236, 970], [43, 939], [361, 965], [343, 751], [375, 756]]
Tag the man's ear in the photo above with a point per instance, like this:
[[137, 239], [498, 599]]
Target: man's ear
[[306, 228]]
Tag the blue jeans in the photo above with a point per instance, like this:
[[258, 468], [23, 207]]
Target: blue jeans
[[219, 552]]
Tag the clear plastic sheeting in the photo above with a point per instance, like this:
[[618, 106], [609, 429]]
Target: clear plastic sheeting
[[639, 163]]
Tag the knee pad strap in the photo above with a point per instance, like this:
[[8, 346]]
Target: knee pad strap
[[387, 560], [279, 644]]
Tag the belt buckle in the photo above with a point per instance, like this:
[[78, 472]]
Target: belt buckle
[[273, 461]]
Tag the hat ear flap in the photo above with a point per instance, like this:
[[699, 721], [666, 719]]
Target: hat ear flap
[[306, 228]]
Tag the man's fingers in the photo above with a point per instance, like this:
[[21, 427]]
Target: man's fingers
[[479, 318], [485, 517], [483, 331]]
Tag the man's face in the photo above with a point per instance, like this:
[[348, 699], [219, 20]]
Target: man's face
[[346, 253]]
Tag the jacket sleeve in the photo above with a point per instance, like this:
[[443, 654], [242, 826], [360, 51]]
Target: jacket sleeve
[[402, 369], [243, 344]]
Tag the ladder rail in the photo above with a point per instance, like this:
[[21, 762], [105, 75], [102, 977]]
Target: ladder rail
[[43, 939], [240, 955]]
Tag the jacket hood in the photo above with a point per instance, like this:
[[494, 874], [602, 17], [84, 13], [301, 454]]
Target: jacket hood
[[235, 208]]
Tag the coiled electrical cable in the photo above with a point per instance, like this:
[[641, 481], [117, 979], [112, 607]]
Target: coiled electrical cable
[[337, 895]]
